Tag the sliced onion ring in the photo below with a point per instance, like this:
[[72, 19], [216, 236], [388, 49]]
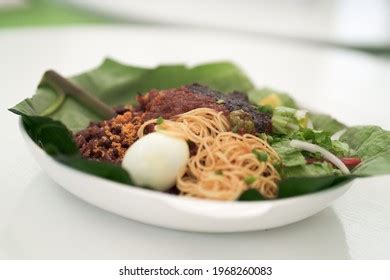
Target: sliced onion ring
[[313, 148]]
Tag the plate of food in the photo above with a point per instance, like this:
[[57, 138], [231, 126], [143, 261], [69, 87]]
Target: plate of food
[[196, 148], [198, 151]]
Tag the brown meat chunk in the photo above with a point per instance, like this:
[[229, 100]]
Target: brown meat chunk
[[172, 102], [237, 101]]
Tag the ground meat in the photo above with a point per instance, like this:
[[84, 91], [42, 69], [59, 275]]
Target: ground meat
[[172, 102], [110, 139]]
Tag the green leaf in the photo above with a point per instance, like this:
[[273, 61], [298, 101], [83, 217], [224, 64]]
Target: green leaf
[[295, 186], [376, 165], [286, 120], [289, 155], [342, 149], [53, 137], [304, 185], [317, 169], [250, 195], [326, 123], [323, 139], [117, 84], [367, 141], [101, 169], [372, 145]]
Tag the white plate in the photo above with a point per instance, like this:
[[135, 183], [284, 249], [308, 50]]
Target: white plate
[[358, 23], [182, 213], [40, 220]]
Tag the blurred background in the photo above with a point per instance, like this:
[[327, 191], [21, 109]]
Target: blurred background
[[362, 25]]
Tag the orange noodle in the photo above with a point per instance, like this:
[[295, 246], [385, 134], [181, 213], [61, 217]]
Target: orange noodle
[[192, 126], [225, 163]]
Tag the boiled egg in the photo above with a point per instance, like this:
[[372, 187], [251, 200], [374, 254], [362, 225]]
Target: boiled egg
[[155, 160]]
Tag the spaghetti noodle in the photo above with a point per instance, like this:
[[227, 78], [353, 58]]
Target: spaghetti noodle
[[192, 126], [225, 163]]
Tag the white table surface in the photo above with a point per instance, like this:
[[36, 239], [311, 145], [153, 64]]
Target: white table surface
[[40, 220]]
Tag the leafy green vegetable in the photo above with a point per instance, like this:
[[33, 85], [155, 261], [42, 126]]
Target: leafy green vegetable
[[293, 160], [53, 137], [275, 98], [117, 84], [323, 139], [250, 195], [377, 165], [287, 120], [362, 136], [101, 169], [342, 149], [326, 123], [310, 170], [284, 121], [372, 145], [289, 155], [294, 186]]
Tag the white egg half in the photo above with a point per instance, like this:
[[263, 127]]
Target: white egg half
[[155, 159]]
